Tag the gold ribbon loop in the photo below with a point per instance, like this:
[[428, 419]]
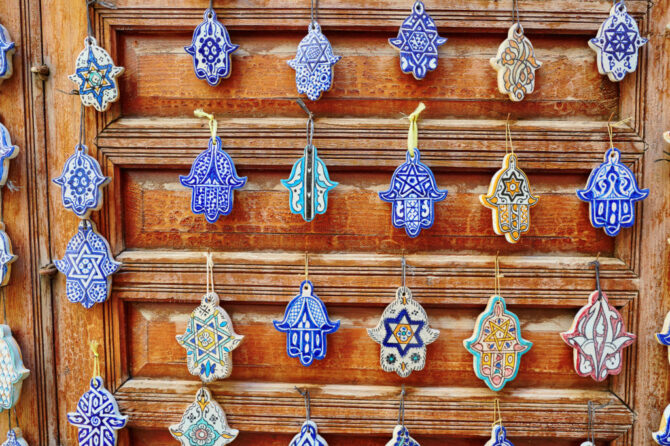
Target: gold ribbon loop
[[413, 133], [213, 125]]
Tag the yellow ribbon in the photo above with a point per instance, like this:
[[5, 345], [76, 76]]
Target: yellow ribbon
[[96, 358], [497, 414], [199, 113], [413, 133]]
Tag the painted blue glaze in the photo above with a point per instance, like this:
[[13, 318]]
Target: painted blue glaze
[[7, 152], [95, 76], [499, 437], [7, 257], [15, 438], [308, 436], [401, 437], [7, 48], [662, 437]]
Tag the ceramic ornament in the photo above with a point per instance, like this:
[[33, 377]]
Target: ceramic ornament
[[15, 438], [496, 345], [403, 332], [88, 265], [516, 65], [308, 436], [662, 437], [598, 336], [401, 437], [617, 44], [209, 340], [498, 437], [6, 256], [213, 179], [612, 192], [204, 423], [510, 198], [211, 49], [95, 76], [306, 324], [7, 48], [413, 193], [664, 336], [81, 183], [97, 416], [313, 63], [8, 151], [12, 370], [417, 42]]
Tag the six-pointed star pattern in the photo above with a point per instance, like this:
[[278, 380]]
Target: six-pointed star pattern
[[403, 333]]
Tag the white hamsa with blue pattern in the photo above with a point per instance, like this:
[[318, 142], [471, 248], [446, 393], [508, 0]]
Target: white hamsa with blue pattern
[[313, 63], [498, 437], [15, 438], [662, 436], [418, 42], [7, 257], [95, 76], [7, 152], [308, 436], [309, 185], [401, 437], [211, 49], [12, 370], [7, 48]]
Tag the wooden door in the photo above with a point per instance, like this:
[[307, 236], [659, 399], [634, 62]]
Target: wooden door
[[150, 138]]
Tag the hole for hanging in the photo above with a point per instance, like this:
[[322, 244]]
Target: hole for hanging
[[419, 8]]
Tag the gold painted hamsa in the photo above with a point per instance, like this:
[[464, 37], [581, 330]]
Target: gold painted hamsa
[[516, 64]]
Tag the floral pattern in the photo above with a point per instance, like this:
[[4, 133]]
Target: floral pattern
[[516, 65], [211, 49]]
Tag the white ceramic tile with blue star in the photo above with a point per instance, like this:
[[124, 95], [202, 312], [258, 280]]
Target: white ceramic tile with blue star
[[7, 49], [15, 438], [12, 370], [8, 151], [95, 75]]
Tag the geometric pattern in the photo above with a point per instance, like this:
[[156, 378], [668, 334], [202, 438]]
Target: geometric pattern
[[413, 192], [612, 192], [663, 337], [498, 437], [308, 185], [510, 198], [81, 183], [403, 332], [211, 49], [6, 256], [213, 178], [401, 437], [7, 48], [662, 437], [308, 436], [97, 416], [95, 76], [209, 339], [516, 65], [87, 265], [313, 63], [15, 438], [306, 324], [496, 345], [203, 423], [7, 152], [598, 336], [617, 44], [12, 371], [418, 41]]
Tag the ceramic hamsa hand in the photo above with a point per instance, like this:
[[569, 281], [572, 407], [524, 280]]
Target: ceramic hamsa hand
[[7, 152], [612, 192], [598, 336], [617, 44], [209, 340], [516, 64], [95, 76], [401, 437], [7, 48], [662, 437], [498, 437], [211, 49], [496, 345], [15, 438], [204, 423], [664, 336], [12, 371], [308, 436], [510, 198], [403, 333], [6, 256]]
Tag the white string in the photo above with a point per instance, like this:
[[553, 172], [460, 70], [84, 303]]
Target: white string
[[210, 273]]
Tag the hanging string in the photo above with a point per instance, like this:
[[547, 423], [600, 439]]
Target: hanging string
[[596, 263], [313, 13], [308, 404], [211, 5], [619, 124], [82, 128], [89, 5], [404, 270], [590, 428], [310, 121], [413, 133], [209, 271], [515, 11], [401, 407], [496, 289], [497, 414], [306, 266], [9, 419], [509, 146], [96, 358], [213, 125], [4, 305]]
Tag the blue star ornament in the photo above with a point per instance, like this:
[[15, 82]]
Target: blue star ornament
[[95, 76], [12, 370], [211, 49], [213, 179], [612, 192], [87, 265], [306, 324], [81, 183], [313, 63], [401, 437], [6, 256], [498, 437], [97, 416], [617, 44], [308, 436], [309, 185], [662, 437], [7, 48], [417, 42], [7, 152], [15, 438], [413, 193]]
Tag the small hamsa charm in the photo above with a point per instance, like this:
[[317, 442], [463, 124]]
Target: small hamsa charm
[[213, 179], [663, 337], [510, 198], [662, 437], [6, 256], [308, 436], [313, 63], [617, 44], [81, 183], [209, 340], [309, 185], [401, 437], [88, 265], [418, 42], [612, 192], [97, 416], [211, 49], [7, 48], [95, 76], [12, 370], [498, 437], [306, 324], [403, 333], [516, 64], [598, 336], [413, 193], [496, 345], [15, 438], [204, 423], [7, 152]]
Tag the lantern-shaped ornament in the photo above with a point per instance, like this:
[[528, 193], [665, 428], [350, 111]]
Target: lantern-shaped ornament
[[12, 370], [664, 336], [498, 436], [309, 433], [662, 437], [7, 152], [15, 438], [95, 76], [7, 257], [203, 423], [516, 64], [7, 48]]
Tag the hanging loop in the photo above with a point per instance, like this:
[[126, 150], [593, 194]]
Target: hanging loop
[[308, 403], [306, 266], [209, 271], [82, 126], [611, 126], [596, 264], [310, 121], [404, 271], [497, 276], [515, 12], [89, 5], [497, 414], [401, 407], [413, 133], [508, 138], [213, 125], [314, 13], [96, 357]]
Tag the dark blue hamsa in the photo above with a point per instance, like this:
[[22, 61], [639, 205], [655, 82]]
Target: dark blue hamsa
[[612, 192], [213, 179], [418, 42], [211, 49], [413, 193], [7, 48], [306, 324]]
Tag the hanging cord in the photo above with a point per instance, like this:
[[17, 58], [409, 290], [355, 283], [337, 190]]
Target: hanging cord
[[509, 146], [310, 121], [413, 133], [515, 11], [96, 358], [2, 218], [314, 13], [619, 125], [213, 125], [306, 266], [401, 407], [4, 304], [497, 414], [591, 436], [308, 404], [211, 5], [496, 288], [596, 264], [404, 270], [209, 272], [89, 5], [82, 128]]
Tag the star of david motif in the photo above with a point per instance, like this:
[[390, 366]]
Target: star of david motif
[[7, 152], [15, 438], [620, 41], [95, 76], [97, 416], [203, 423], [403, 333], [12, 370], [6, 256], [498, 437], [87, 266], [512, 186], [401, 437], [662, 437], [7, 48], [209, 340], [308, 436]]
